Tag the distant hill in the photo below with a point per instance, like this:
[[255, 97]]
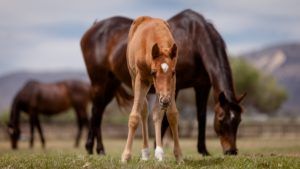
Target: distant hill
[[283, 62], [11, 83]]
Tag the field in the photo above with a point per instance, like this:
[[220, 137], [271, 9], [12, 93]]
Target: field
[[253, 153]]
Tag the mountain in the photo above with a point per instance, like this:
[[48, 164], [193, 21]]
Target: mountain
[[11, 83], [283, 62]]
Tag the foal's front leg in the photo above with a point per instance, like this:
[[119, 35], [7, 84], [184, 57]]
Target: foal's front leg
[[173, 119], [140, 92], [158, 115], [145, 150]]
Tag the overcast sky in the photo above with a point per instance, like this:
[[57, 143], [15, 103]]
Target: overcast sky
[[44, 35]]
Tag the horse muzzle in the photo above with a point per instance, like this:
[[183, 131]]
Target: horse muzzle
[[164, 101], [231, 152]]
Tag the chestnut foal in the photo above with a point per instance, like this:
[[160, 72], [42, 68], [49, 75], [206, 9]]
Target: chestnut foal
[[151, 60]]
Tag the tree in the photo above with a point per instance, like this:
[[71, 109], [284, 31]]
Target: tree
[[264, 93]]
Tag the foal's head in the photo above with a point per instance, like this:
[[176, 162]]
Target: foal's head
[[226, 122], [163, 73]]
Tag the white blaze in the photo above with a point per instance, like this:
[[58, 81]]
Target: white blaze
[[164, 67], [231, 115]]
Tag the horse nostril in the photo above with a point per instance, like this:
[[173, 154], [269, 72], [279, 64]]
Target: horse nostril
[[231, 152], [164, 101]]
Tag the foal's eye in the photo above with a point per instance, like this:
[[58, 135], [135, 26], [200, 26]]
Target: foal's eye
[[153, 72]]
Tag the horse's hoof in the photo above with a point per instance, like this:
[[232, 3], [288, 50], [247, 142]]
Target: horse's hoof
[[101, 152], [159, 153], [89, 149], [145, 154], [125, 157]]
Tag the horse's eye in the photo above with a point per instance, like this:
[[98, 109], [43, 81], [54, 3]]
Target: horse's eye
[[173, 73]]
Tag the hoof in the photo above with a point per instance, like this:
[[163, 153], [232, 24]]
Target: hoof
[[101, 152], [125, 157], [89, 149], [145, 154], [159, 153]]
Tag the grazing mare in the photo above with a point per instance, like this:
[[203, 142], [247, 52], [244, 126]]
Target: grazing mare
[[151, 60], [202, 63], [48, 99]]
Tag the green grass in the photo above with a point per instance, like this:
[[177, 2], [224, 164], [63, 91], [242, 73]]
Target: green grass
[[254, 153]]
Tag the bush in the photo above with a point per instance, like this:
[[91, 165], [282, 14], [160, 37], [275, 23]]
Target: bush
[[264, 93]]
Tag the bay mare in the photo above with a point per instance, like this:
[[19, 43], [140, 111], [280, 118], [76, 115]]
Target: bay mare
[[202, 63], [36, 98]]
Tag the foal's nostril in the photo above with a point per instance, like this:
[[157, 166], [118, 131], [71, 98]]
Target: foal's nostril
[[164, 101]]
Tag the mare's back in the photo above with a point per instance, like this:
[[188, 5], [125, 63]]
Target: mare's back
[[99, 42]]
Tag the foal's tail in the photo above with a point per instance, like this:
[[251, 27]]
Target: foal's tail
[[124, 98]]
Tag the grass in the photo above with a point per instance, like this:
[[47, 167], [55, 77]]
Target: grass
[[254, 153]]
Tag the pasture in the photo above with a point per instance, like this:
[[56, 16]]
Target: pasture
[[60, 153]]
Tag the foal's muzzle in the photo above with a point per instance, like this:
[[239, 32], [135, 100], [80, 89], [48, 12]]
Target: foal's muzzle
[[164, 101]]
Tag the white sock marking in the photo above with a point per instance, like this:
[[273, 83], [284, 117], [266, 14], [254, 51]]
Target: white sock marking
[[145, 154], [159, 153]]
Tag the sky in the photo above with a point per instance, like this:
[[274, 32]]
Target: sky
[[44, 35]]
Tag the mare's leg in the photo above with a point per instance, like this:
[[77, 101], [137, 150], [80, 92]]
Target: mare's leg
[[32, 124], [202, 93], [38, 125], [145, 150], [173, 119], [102, 95], [140, 92], [80, 123], [82, 120]]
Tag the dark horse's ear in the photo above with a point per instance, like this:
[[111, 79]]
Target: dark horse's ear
[[222, 99], [240, 98], [173, 51], [155, 51]]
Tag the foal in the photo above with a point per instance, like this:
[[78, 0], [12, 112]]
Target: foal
[[151, 60]]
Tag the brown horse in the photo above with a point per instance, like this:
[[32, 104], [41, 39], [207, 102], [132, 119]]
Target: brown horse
[[202, 64], [151, 60], [48, 99]]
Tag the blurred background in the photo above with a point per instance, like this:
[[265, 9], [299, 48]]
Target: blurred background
[[40, 40]]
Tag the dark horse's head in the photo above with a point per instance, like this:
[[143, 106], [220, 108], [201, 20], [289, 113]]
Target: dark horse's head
[[226, 122], [14, 134]]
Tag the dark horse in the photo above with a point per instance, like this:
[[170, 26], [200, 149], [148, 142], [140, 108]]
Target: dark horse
[[48, 99], [202, 64]]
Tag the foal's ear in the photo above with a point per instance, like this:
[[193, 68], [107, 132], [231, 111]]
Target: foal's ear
[[173, 51], [222, 99], [155, 51]]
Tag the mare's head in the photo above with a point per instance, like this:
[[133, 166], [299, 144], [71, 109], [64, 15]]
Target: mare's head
[[14, 134], [163, 73], [226, 122]]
